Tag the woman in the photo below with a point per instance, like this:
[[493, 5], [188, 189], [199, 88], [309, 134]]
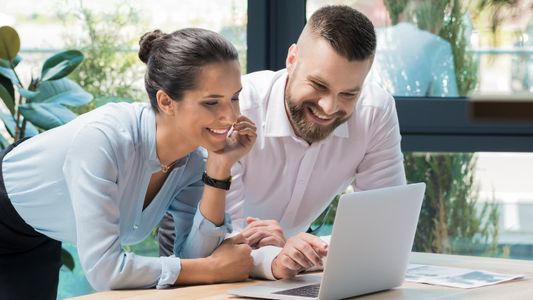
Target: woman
[[107, 178]]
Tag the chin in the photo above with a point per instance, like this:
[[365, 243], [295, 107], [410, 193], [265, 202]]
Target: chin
[[214, 147]]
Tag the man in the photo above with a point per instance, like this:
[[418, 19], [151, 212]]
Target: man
[[320, 128]]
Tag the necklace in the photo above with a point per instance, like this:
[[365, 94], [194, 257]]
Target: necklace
[[166, 168]]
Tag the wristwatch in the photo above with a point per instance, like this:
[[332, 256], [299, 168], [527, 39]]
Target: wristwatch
[[219, 184]]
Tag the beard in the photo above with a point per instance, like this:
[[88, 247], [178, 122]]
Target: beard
[[306, 129]]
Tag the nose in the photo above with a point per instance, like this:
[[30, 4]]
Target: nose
[[328, 104], [229, 113]]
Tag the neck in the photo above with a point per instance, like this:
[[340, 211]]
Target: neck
[[171, 144]]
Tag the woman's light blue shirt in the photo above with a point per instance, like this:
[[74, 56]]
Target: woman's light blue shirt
[[85, 183]]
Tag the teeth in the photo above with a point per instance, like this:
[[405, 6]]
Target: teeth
[[319, 115], [218, 131]]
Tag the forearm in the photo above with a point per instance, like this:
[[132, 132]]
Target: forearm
[[213, 200], [195, 271]]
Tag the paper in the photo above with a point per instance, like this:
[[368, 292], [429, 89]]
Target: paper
[[455, 277]]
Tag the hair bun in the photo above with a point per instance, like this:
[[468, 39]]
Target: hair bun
[[146, 43]]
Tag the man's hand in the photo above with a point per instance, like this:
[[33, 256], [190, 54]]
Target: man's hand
[[300, 252], [261, 233]]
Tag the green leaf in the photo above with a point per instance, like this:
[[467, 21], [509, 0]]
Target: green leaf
[[9, 123], [9, 43], [61, 64], [3, 142], [5, 63], [63, 91], [8, 73], [67, 259], [8, 99], [8, 85], [72, 98], [46, 115], [28, 94]]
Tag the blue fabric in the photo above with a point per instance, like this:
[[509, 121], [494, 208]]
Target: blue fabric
[[85, 183]]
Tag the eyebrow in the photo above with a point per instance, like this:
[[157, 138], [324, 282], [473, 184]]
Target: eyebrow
[[324, 83], [221, 96]]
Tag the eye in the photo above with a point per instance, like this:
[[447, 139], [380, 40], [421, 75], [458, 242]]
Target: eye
[[210, 103], [349, 95], [319, 87], [235, 98]]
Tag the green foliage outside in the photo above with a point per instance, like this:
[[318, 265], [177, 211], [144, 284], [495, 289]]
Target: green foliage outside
[[111, 68], [449, 221]]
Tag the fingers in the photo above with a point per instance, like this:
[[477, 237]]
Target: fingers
[[245, 126], [243, 118], [271, 241], [318, 245], [312, 257], [251, 220], [256, 222], [238, 239], [261, 233], [306, 250]]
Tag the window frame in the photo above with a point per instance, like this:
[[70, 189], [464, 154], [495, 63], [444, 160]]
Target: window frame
[[427, 124]]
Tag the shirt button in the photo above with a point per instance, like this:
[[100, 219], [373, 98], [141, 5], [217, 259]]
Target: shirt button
[[135, 227]]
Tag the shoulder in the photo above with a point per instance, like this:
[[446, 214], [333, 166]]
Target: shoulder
[[255, 88], [373, 95], [116, 124]]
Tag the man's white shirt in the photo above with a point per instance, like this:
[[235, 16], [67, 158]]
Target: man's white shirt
[[286, 179]]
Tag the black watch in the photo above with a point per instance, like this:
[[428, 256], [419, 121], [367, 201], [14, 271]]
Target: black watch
[[219, 184]]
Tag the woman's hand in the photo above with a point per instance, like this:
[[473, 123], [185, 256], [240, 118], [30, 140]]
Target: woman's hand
[[231, 261], [238, 143]]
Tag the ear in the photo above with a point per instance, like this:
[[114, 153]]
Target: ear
[[292, 58], [165, 103]]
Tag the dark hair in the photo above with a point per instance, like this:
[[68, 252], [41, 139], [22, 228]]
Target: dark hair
[[174, 60], [348, 31]]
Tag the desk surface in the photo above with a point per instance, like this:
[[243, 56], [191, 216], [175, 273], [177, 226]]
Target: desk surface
[[518, 289]]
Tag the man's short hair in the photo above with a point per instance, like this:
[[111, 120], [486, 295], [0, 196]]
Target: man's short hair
[[348, 31]]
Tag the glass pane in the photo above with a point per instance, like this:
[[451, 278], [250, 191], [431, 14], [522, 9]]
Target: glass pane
[[450, 48], [475, 204], [107, 31]]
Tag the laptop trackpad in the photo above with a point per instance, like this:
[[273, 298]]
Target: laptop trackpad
[[271, 289]]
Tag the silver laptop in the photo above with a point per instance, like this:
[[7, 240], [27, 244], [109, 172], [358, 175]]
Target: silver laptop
[[369, 250]]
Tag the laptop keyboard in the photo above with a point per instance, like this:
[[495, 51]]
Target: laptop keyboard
[[310, 291]]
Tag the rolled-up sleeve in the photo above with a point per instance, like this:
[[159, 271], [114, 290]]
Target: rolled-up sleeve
[[91, 174], [195, 235]]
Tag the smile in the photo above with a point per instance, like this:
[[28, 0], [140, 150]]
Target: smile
[[319, 117], [218, 131]]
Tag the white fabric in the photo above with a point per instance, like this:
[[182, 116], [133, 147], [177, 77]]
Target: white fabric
[[285, 179]]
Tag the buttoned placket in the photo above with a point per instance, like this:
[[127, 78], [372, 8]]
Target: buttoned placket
[[302, 180]]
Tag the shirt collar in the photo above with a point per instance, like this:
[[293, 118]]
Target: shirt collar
[[147, 140], [277, 121]]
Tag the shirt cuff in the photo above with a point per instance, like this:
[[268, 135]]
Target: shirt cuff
[[263, 258], [208, 228], [170, 270]]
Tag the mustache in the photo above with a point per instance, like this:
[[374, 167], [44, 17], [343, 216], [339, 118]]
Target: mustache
[[315, 107]]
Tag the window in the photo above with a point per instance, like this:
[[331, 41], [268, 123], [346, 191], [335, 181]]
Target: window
[[464, 97]]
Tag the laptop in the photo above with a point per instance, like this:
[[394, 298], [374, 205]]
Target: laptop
[[369, 250]]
